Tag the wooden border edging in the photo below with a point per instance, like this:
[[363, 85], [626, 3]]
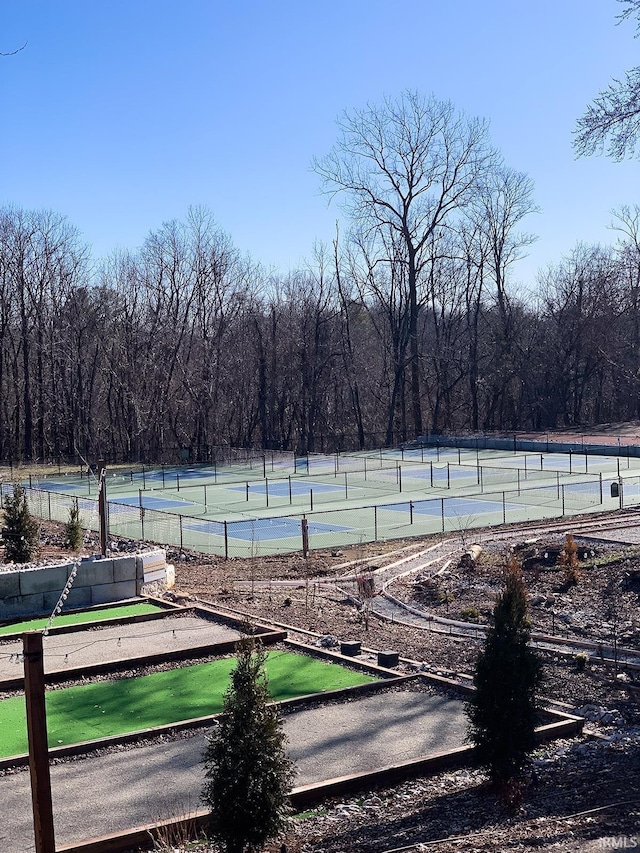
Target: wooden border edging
[[79, 672], [169, 610], [141, 837], [345, 660]]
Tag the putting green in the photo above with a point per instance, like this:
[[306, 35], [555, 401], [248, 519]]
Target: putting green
[[91, 711], [83, 617]]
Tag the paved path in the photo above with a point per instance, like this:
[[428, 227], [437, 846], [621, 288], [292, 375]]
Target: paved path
[[89, 647], [95, 795]]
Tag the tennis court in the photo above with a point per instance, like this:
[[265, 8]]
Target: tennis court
[[258, 506]]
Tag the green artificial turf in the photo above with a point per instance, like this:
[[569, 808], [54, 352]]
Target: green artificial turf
[[82, 617], [91, 711]]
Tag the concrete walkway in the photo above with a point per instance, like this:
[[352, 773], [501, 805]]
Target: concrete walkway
[[119, 642]]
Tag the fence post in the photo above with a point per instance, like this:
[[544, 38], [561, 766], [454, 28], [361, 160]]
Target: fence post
[[103, 506], [399, 478], [410, 512], [266, 490], [375, 523], [563, 498], [346, 487], [504, 508], [226, 541], [290, 495], [180, 517], [49, 502], [37, 737], [600, 486], [442, 509], [311, 498], [305, 536]]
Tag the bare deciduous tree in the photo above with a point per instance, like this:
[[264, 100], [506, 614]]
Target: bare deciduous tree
[[611, 123], [409, 166]]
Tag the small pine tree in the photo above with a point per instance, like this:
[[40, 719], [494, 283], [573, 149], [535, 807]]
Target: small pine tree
[[73, 535], [20, 531], [502, 711], [248, 774]]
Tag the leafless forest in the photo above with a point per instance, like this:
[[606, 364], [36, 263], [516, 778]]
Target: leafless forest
[[412, 320]]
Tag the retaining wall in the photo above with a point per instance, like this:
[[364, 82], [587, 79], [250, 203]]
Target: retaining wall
[[34, 591]]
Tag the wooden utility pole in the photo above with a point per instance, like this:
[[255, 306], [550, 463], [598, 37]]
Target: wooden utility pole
[[38, 746], [102, 505]]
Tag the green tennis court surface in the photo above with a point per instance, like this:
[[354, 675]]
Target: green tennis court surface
[[257, 507], [82, 617], [91, 711]]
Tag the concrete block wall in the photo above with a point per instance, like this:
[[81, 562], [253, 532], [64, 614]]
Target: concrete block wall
[[35, 591]]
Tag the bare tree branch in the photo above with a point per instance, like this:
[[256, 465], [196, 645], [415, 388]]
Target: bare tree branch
[[611, 123], [13, 52]]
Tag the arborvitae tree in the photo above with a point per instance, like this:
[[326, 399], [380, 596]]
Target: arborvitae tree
[[20, 531], [502, 711], [73, 535], [248, 774]]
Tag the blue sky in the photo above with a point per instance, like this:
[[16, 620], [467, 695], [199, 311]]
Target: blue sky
[[122, 114]]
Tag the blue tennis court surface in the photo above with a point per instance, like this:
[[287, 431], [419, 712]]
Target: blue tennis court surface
[[262, 529], [454, 507], [280, 488], [149, 502], [171, 474], [439, 473], [49, 486]]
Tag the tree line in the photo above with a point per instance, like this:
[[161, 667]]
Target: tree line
[[410, 322]]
